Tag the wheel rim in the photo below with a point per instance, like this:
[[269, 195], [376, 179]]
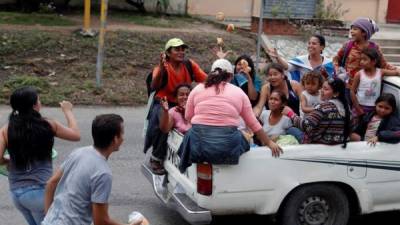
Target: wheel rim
[[314, 211]]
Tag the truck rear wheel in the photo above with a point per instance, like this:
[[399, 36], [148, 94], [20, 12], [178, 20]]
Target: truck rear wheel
[[316, 204]]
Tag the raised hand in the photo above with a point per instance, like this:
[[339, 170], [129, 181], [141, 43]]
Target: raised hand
[[164, 103], [220, 53], [66, 106], [273, 53], [163, 58]]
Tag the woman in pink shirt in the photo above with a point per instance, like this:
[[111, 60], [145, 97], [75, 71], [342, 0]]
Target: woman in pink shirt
[[175, 117], [214, 110]]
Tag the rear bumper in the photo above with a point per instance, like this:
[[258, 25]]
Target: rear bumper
[[180, 202]]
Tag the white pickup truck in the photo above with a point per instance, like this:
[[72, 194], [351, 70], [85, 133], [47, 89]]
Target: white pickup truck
[[307, 185]]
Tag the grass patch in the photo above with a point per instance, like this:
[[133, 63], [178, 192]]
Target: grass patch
[[63, 65], [25, 41], [154, 20], [15, 82], [34, 18]]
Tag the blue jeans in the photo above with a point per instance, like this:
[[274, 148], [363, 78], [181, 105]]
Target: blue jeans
[[297, 133], [212, 144], [30, 202]]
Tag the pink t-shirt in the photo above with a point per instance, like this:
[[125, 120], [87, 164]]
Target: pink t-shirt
[[180, 123], [206, 107]]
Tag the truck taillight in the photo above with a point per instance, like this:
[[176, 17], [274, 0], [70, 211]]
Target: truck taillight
[[204, 178]]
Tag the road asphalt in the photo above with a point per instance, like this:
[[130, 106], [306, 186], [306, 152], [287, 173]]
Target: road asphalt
[[131, 191]]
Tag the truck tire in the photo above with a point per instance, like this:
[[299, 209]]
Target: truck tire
[[316, 204]]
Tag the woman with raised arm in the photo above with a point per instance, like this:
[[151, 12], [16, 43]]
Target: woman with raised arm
[[29, 139], [313, 61]]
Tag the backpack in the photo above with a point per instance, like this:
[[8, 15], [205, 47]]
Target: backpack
[[164, 81], [347, 49]]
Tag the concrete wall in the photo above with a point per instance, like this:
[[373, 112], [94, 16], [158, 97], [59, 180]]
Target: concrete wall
[[231, 8], [374, 9]]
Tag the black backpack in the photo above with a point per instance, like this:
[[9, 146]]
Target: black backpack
[[164, 81]]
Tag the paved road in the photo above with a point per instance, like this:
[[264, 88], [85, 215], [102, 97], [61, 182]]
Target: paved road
[[130, 189]]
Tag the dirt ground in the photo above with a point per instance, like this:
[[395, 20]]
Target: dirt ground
[[62, 64]]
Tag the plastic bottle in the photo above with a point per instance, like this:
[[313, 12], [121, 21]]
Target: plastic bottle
[[135, 217]]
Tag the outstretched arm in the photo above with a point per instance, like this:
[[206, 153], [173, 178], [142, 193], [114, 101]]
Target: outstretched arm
[[263, 99], [51, 188], [166, 121], [69, 132], [386, 72], [158, 72], [273, 53]]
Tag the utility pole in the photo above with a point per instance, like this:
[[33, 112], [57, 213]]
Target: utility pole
[[86, 31], [100, 53], [260, 31]]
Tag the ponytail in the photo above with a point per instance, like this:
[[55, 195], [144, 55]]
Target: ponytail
[[217, 77], [30, 136]]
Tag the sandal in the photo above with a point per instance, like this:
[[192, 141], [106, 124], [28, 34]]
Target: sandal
[[157, 167]]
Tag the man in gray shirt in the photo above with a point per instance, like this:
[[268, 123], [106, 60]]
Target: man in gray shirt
[[78, 192]]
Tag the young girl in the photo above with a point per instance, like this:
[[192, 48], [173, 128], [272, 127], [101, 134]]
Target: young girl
[[382, 124], [366, 86], [175, 117], [349, 55], [29, 139], [310, 97], [274, 122]]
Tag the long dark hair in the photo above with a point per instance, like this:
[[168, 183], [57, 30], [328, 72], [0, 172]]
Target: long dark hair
[[249, 61], [216, 77], [338, 86], [30, 136]]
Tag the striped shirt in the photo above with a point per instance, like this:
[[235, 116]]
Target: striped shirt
[[324, 125]]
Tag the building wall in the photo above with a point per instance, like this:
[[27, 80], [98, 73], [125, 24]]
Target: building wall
[[374, 9], [231, 8]]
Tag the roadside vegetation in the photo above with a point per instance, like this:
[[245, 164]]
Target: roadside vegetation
[[61, 63], [34, 19]]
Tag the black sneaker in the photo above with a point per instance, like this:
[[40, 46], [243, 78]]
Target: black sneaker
[[157, 167]]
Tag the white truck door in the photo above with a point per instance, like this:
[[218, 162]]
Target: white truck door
[[357, 169]]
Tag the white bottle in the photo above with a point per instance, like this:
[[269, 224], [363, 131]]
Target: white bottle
[[135, 217]]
